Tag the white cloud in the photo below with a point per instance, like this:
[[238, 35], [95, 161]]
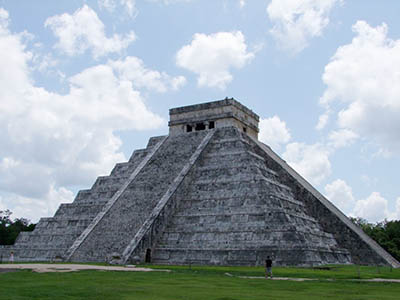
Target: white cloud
[[342, 138], [311, 161], [83, 30], [242, 3], [397, 214], [130, 7], [273, 132], [167, 2], [111, 5], [50, 142], [35, 208], [374, 208], [134, 70], [341, 195], [363, 78], [322, 121], [296, 22], [212, 56], [4, 18]]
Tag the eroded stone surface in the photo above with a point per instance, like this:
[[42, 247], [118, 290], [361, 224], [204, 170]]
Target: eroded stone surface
[[214, 195]]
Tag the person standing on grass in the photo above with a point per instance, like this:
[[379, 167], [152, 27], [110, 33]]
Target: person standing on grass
[[12, 257], [268, 267]]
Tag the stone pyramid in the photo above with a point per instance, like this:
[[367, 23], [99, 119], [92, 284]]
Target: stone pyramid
[[208, 193]]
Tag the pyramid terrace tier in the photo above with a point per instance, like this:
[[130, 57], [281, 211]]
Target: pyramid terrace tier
[[210, 196]]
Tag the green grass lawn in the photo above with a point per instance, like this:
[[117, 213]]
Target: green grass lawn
[[319, 272], [199, 283]]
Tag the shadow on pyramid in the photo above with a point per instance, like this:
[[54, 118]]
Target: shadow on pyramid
[[208, 193]]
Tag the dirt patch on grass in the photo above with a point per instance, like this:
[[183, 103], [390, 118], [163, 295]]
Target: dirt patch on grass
[[73, 268], [7, 270]]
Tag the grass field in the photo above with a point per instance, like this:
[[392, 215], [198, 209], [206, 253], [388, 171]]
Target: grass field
[[201, 283]]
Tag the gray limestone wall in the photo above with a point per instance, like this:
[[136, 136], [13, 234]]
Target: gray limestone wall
[[116, 229], [236, 211], [148, 236], [5, 252], [362, 249], [235, 204], [223, 113], [53, 236]]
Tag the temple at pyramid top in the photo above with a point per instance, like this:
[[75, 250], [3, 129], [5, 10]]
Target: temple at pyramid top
[[210, 115]]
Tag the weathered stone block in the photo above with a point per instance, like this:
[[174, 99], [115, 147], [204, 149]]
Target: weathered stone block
[[209, 195]]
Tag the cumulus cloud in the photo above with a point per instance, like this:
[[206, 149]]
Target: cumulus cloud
[[296, 22], [342, 138], [212, 57], [310, 161], [82, 31], [34, 208], [51, 142], [109, 5], [374, 208], [398, 208], [322, 121], [4, 18], [363, 81], [128, 5], [133, 69], [341, 195], [167, 2], [273, 132]]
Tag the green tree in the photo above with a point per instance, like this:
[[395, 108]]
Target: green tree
[[9, 230], [386, 234]]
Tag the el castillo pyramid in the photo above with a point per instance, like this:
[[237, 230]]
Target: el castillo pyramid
[[208, 193]]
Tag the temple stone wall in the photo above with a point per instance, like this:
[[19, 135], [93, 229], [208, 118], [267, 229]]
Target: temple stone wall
[[236, 211], [223, 113], [53, 236], [215, 195], [361, 251], [113, 233]]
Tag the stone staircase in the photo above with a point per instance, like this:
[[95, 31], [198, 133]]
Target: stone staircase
[[53, 236], [111, 235], [237, 211]]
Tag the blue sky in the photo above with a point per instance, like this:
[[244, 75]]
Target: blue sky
[[84, 83]]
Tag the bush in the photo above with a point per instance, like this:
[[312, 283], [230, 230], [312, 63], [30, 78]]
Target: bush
[[386, 234], [9, 229]]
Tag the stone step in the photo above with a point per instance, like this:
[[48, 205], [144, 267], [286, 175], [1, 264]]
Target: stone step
[[223, 223], [238, 188], [97, 196], [153, 141], [82, 195], [128, 213], [76, 210], [242, 178], [197, 201], [227, 234], [109, 182], [249, 256]]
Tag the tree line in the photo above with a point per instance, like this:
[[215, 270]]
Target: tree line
[[386, 234], [10, 229]]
